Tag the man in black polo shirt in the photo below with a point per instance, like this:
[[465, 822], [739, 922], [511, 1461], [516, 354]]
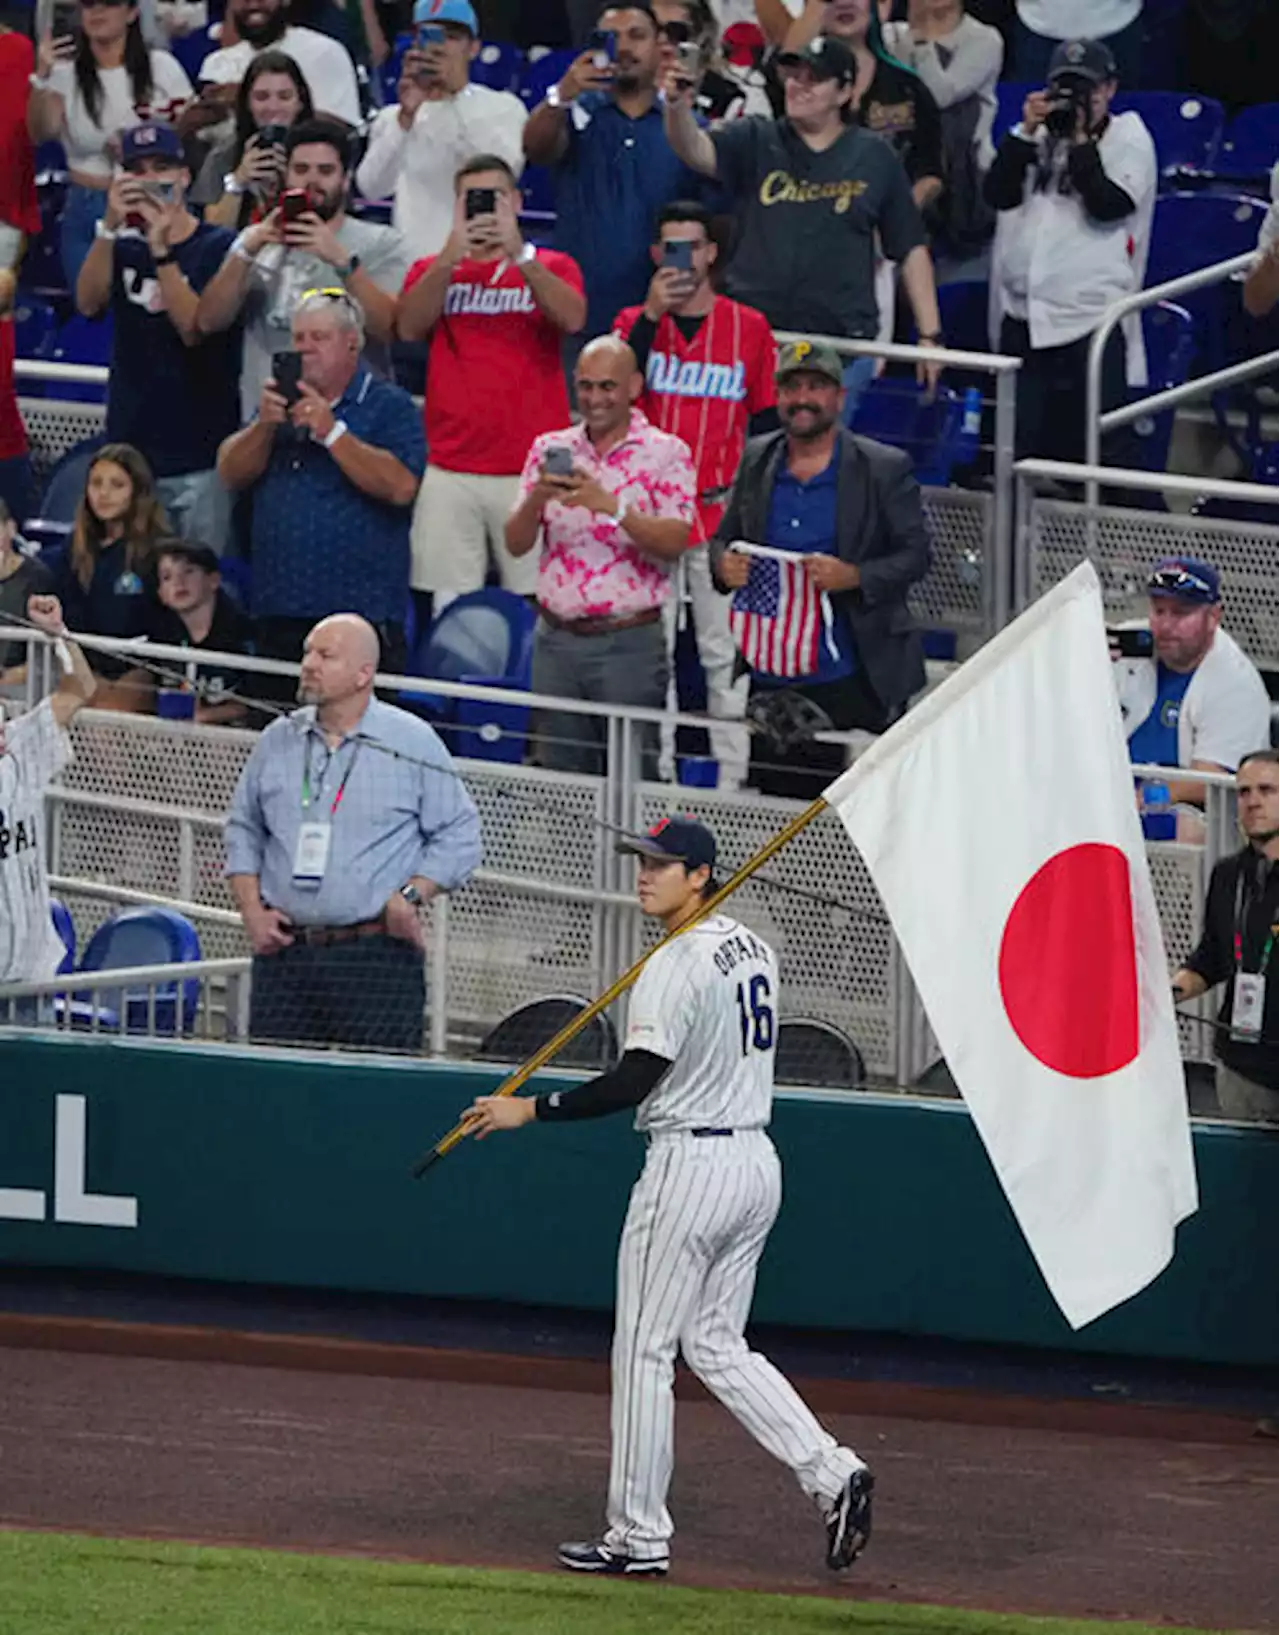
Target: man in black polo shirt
[[196, 612], [1237, 947], [811, 192]]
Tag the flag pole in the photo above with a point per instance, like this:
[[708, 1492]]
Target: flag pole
[[575, 1025]]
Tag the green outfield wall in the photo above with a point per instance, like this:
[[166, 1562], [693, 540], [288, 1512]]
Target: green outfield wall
[[262, 1168]]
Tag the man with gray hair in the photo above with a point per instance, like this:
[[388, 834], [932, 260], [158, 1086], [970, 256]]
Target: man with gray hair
[[333, 459]]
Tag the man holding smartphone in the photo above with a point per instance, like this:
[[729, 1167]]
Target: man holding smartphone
[[438, 122], [708, 364], [494, 310], [172, 392]]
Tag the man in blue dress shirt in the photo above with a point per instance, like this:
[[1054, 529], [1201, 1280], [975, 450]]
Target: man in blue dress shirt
[[348, 816]]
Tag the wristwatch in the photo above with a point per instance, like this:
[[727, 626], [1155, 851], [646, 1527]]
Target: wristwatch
[[232, 184], [164, 259], [411, 894], [935, 339], [101, 230], [351, 266], [553, 99], [529, 253]]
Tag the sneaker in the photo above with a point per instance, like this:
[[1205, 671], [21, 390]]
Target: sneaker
[[596, 1558], [849, 1521]]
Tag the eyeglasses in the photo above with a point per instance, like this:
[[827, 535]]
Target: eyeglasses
[[1181, 582], [675, 33]]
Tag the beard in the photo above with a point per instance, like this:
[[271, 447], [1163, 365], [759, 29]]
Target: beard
[[819, 423], [260, 34]]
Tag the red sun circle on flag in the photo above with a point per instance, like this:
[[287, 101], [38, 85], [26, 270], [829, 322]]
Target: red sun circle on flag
[[1068, 963]]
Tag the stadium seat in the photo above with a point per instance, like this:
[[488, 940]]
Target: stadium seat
[[498, 66], [817, 1054], [1186, 129], [897, 411], [1170, 341], [1249, 145], [34, 325], [538, 209], [63, 491], [527, 1029], [1194, 230], [963, 307], [191, 50], [1009, 100], [85, 341], [540, 73], [144, 936], [485, 638], [63, 924]]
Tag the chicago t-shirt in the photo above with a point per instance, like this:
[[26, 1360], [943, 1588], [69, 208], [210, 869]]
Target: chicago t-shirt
[[494, 379]]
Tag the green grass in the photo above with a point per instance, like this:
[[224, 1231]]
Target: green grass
[[66, 1584]]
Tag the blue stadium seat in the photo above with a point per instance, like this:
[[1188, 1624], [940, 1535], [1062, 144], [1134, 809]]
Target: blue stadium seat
[[540, 73], [1186, 129], [86, 341], [1193, 230], [1169, 333], [1249, 145], [147, 936], [63, 490], [897, 411], [485, 638], [963, 307], [63, 924], [1009, 100], [538, 209], [191, 50], [498, 66], [34, 324]]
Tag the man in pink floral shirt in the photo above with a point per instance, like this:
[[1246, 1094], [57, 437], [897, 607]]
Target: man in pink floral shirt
[[610, 525]]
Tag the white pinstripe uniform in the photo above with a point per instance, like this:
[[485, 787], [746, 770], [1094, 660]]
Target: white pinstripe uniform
[[36, 750], [696, 1226]]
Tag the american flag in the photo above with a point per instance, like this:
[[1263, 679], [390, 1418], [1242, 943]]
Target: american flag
[[777, 618]]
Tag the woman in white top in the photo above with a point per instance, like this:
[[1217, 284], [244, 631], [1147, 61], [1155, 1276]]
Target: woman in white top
[[89, 87], [1043, 24]]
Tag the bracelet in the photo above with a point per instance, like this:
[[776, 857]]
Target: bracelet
[[38, 84], [101, 230], [165, 259], [338, 429], [528, 254], [232, 184], [240, 249]]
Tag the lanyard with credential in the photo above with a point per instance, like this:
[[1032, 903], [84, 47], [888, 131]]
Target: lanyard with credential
[[1242, 908], [342, 787]]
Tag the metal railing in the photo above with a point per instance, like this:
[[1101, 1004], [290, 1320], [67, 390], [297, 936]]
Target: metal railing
[[146, 1001], [1096, 422]]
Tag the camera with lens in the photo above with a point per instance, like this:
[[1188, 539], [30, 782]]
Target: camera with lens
[[1070, 96]]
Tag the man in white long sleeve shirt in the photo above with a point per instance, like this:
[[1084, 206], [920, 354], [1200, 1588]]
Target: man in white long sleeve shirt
[[326, 66], [439, 122]]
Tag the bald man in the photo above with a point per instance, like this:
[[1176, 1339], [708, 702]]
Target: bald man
[[610, 506], [348, 818]]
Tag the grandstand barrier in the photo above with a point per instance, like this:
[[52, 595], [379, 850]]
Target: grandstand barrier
[[271, 1169], [138, 817]]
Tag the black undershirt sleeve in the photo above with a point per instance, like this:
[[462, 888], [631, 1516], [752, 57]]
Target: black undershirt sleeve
[[623, 1086], [643, 334], [1003, 184], [1102, 198]]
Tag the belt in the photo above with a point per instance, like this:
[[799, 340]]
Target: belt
[[602, 626], [706, 1129], [321, 936]]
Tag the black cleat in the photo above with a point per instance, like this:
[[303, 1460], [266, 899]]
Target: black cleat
[[849, 1521], [597, 1558]]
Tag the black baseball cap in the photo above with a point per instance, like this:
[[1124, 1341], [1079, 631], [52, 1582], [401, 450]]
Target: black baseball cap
[[825, 57], [1087, 59], [675, 840], [190, 550]]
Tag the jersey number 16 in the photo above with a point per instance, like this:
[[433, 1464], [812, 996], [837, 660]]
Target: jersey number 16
[[755, 1014]]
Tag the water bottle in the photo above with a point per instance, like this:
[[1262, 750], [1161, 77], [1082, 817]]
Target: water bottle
[[1159, 820], [970, 428]]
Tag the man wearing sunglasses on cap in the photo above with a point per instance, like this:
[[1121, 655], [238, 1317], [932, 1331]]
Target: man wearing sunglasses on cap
[[1197, 701]]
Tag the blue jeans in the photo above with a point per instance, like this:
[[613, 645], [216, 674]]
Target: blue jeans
[[858, 375], [199, 507], [84, 209], [15, 486]]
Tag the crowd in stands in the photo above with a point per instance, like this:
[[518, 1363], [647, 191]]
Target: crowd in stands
[[284, 232]]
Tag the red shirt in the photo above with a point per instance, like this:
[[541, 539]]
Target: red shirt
[[13, 434], [706, 390], [18, 205], [494, 376]]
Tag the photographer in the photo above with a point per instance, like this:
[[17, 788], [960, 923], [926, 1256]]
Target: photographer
[[1074, 190], [439, 120], [241, 179], [172, 391]]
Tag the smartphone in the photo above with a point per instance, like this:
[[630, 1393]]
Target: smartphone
[[161, 192], [271, 136], [678, 253], [1132, 644], [430, 34], [689, 61], [558, 462], [294, 203], [64, 19], [603, 44], [286, 371], [481, 201]]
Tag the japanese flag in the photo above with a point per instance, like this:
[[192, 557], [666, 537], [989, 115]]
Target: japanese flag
[[998, 821]]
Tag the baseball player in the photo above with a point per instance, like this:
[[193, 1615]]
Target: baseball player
[[708, 366], [34, 748], [698, 1065]]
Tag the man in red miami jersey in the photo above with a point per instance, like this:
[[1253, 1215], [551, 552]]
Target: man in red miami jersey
[[495, 310], [708, 364]]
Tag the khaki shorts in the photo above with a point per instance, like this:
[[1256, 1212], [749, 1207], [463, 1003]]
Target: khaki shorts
[[458, 530]]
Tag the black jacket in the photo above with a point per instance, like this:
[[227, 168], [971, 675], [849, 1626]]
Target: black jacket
[[879, 526], [1213, 957]]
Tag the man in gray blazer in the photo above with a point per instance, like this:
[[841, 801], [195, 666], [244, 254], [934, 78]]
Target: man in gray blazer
[[850, 508]]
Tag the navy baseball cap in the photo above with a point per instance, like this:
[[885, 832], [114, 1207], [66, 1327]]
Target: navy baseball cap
[[1089, 59], [675, 840], [1187, 578], [153, 141]]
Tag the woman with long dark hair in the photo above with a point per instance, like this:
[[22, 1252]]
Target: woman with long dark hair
[[89, 86], [240, 179], [107, 581]]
